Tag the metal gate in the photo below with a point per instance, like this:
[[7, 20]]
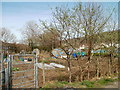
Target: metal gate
[[20, 74], [2, 72]]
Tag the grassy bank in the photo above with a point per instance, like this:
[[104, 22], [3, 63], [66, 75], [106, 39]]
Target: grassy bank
[[85, 84]]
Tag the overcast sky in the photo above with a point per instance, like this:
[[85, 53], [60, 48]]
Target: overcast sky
[[16, 14]]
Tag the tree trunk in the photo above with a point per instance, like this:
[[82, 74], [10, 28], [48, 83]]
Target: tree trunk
[[88, 74], [81, 70], [89, 56], [110, 64], [97, 73], [69, 70], [81, 76], [89, 49], [70, 75]]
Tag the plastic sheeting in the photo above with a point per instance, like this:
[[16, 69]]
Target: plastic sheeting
[[57, 65], [59, 53], [45, 66], [49, 66]]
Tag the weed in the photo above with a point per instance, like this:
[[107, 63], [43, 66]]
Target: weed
[[88, 83], [105, 81], [84, 84], [64, 82]]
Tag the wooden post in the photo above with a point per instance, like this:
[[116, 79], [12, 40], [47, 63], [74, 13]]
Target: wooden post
[[6, 78], [97, 74], [10, 73], [36, 72], [43, 69]]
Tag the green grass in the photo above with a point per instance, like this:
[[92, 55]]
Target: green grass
[[88, 83], [105, 81], [64, 84], [55, 85], [85, 84]]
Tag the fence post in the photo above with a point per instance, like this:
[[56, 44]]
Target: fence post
[[10, 71], [6, 79], [7, 76], [3, 73], [1, 68], [3, 78], [43, 69], [36, 72]]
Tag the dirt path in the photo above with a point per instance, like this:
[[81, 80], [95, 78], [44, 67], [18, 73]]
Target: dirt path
[[113, 85]]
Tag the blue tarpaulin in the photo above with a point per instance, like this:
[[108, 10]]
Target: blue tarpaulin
[[74, 55], [83, 53]]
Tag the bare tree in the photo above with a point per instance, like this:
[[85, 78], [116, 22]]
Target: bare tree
[[62, 24], [68, 25], [86, 21], [31, 34], [92, 21], [111, 40], [6, 35]]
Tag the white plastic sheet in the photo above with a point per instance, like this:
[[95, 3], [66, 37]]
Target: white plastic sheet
[[49, 66]]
